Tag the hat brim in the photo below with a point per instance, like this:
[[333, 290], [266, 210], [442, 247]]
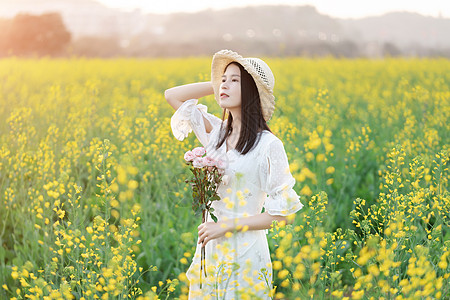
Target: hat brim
[[221, 60]]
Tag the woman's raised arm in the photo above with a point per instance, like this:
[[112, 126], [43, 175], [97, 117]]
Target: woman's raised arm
[[177, 95]]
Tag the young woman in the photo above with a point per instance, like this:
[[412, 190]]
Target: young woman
[[237, 253]]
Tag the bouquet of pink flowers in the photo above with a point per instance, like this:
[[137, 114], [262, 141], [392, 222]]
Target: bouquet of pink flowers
[[208, 174]]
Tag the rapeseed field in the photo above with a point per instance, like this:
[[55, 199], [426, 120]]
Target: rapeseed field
[[94, 203]]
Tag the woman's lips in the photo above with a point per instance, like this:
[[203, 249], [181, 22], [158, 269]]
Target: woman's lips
[[223, 95]]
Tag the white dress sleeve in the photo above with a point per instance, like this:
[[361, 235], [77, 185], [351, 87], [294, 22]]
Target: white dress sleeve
[[189, 117], [278, 182]]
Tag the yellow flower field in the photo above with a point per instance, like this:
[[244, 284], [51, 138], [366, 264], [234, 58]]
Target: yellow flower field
[[94, 203]]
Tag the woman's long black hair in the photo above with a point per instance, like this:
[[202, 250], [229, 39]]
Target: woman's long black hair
[[252, 120]]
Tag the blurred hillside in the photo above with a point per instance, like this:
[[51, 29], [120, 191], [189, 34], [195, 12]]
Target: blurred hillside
[[97, 30]]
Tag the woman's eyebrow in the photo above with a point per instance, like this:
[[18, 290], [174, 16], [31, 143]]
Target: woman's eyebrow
[[231, 75]]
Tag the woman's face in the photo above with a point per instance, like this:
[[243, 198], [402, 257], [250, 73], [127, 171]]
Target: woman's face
[[230, 88]]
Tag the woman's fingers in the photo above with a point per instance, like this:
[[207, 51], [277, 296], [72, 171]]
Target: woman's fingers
[[203, 242], [207, 232], [203, 236]]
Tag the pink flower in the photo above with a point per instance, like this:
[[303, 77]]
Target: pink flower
[[189, 156], [199, 151], [198, 162], [220, 164], [208, 161]]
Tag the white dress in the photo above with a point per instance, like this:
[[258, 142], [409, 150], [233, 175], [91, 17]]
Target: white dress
[[261, 178]]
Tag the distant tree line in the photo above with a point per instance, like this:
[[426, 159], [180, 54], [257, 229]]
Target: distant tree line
[[46, 35], [31, 35], [111, 47]]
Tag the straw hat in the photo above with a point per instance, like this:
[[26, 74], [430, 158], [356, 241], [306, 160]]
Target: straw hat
[[257, 68]]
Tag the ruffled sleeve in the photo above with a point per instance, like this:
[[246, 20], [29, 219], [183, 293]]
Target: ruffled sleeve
[[189, 117], [278, 182]]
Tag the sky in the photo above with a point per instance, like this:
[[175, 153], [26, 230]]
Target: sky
[[335, 8]]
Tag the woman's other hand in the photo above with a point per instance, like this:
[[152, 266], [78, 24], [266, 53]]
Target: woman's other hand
[[210, 231]]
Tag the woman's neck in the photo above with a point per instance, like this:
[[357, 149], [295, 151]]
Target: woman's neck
[[236, 125]]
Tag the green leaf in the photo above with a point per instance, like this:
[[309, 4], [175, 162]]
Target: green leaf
[[213, 217]]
